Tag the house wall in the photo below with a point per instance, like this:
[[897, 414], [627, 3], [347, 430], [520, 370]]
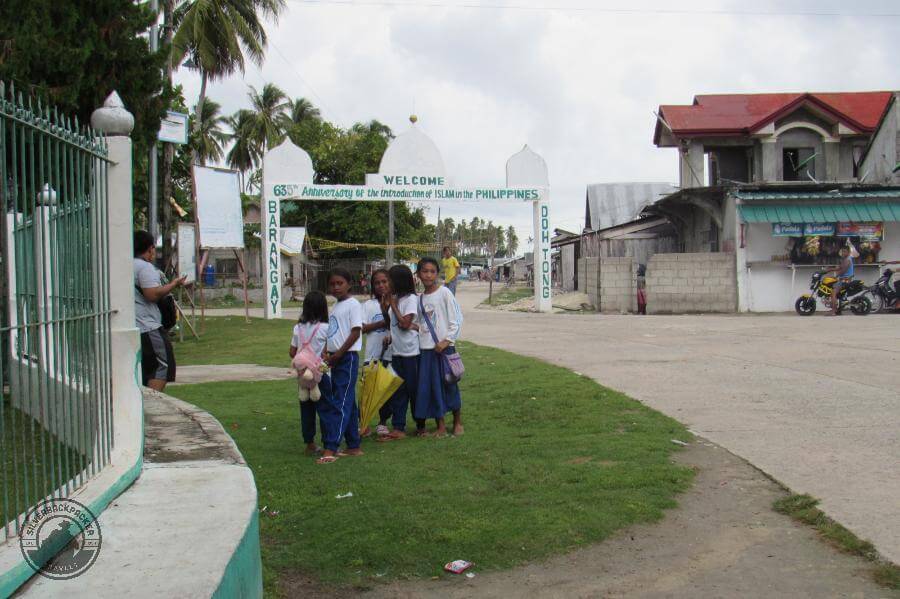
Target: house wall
[[884, 154], [567, 267], [617, 285], [590, 274], [683, 283]]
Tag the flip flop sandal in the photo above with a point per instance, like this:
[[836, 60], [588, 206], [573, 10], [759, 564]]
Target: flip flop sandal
[[382, 431], [327, 459], [343, 454]]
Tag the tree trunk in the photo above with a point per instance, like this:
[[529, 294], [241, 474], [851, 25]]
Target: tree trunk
[[168, 221]]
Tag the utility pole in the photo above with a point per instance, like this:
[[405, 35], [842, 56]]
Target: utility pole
[[153, 216], [390, 250]]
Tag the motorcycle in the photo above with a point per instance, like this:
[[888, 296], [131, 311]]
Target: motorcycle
[[851, 294], [882, 295]]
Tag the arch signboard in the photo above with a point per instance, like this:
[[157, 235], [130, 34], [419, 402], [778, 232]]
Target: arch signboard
[[411, 170]]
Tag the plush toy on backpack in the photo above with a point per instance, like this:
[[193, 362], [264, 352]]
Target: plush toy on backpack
[[310, 368]]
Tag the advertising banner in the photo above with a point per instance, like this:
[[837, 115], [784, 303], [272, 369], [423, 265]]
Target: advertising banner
[[787, 229], [815, 229], [867, 231]]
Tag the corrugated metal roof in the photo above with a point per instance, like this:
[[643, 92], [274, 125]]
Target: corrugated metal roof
[[612, 204], [820, 212]]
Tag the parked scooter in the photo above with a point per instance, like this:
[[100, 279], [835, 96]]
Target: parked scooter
[[882, 294], [851, 294]]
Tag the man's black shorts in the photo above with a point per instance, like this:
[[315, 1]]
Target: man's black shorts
[[157, 357]]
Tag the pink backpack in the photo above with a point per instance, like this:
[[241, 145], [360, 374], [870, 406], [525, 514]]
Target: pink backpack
[[306, 359]]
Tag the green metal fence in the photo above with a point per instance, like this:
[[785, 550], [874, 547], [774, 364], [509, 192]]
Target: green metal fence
[[56, 411]]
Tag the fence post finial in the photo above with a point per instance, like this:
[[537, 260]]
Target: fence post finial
[[112, 119]]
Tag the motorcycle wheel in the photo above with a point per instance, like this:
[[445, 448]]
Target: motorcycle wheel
[[876, 300], [805, 306], [860, 305]]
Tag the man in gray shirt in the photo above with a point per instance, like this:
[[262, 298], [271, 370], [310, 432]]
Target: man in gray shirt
[[158, 358]]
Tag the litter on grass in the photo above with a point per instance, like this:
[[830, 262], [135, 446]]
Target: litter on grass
[[344, 496], [677, 442], [470, 574], [457, 566], [264, 428]]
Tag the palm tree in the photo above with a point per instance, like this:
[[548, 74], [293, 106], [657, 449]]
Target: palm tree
[[301, 110], [207, 136], [269, 108], [244, 154], [512, 241], [217, 34]]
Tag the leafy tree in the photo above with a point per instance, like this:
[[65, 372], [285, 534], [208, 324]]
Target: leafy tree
[[74, 53]]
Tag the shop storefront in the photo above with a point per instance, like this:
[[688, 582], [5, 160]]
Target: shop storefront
[[785, 237]]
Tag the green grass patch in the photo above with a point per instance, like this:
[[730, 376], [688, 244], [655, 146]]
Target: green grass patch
[[507, 295], [231, 340], [550, 461], [804, 508], [33, 461]]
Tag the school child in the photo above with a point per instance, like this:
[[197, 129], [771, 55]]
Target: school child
[[337, 409], [375, 328], [311, 329], [404, 314], [434, 397]]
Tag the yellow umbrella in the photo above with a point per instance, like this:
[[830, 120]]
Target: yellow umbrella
[[379, 384]]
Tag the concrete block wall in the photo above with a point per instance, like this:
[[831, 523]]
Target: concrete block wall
[[685, 283], [581, 273], [589, 279], [617, 285]]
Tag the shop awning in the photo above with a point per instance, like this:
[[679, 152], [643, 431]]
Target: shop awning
[[814, 212]]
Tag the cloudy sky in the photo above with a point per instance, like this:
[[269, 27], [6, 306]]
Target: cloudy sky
[[577, 80]]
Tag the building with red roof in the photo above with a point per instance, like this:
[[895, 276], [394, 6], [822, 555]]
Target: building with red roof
[[762, 138]]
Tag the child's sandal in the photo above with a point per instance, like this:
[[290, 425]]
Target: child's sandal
[[326, 459]]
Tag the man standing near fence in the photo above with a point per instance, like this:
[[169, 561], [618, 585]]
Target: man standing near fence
[[157, 356], [450, 265]]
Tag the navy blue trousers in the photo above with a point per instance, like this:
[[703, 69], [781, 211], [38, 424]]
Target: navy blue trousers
[[338, 411], [308, 413]]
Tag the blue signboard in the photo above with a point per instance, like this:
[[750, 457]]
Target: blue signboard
[[787, 229], [811, 229]]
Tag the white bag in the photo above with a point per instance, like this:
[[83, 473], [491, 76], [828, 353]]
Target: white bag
[[854, 253]]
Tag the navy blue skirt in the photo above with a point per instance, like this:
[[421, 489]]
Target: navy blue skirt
[[435, 398]]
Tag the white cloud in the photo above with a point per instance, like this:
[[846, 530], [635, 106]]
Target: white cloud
[[577, 86]]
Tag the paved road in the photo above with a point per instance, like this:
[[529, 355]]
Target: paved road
[[813, 402]]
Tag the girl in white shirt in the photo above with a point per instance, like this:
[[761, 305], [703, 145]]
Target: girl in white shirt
[[404, 316], [434, 397], [338, 410], [312, 329], [375, 328]]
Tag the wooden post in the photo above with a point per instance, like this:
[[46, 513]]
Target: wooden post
[[203, 258], [240, 261]]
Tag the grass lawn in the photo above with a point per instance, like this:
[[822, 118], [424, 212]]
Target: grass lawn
[[550, 461], [33, 461], [507, 295]]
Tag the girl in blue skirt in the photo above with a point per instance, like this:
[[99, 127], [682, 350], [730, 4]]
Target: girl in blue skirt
[[434, 397], [404, 315]]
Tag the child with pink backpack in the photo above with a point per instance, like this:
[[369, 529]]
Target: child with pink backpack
[[307, 350]]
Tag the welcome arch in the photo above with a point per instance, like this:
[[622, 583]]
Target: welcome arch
[[411, 169]]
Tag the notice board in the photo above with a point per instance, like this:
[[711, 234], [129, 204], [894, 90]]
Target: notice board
[[219, 214]]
